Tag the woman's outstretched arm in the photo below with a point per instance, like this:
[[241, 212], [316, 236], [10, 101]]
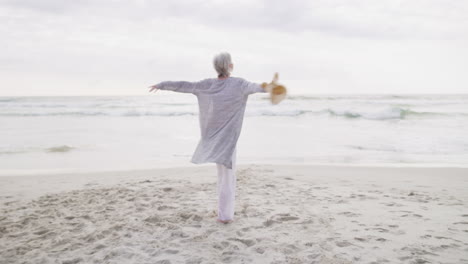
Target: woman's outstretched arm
[[178, 86], [250, 87]]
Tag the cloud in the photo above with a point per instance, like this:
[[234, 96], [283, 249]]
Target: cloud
[[43, 6], [355, 44], [351, 18]]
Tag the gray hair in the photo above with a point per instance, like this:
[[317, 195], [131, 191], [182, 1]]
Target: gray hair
[[221, 64]]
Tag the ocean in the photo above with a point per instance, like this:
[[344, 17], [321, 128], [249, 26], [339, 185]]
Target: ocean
[[89, 133]]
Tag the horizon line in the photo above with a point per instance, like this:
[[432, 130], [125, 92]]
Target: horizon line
[[295, 94]]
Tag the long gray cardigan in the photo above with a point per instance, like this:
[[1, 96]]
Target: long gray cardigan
[[221, 106]]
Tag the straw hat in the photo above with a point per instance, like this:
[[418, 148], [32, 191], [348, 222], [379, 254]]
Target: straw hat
[[277, 91]]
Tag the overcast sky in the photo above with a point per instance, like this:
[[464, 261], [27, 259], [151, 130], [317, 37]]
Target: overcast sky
[[88, 47]]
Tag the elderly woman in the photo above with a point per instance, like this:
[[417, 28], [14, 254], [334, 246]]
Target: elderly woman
[[221, 103]]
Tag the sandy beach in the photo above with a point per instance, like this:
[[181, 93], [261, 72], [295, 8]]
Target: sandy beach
[[284, 214]]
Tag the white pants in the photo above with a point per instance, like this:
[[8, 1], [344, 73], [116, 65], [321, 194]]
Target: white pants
[[226, 190]]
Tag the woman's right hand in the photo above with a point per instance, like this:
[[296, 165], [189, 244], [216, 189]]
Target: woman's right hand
[[153, 88]]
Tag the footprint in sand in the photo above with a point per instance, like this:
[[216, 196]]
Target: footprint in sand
[[279, 218], [309, 244], [362, 239], [393, 204], [379, 229], [349, 214], [442, 237], [153, 219], [73, 261], [260, 250], [343, 243], [164, 207], [194, 261], [416, 254], [220, 246], [246, 242], [381, 239], [319, 188], [415, 215], [268, 223], [286, 217], [163, 261], [171, 251], [363, 197]]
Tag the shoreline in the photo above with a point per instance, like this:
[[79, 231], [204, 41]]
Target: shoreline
[[38, 172], [16, 186], [95, 177]]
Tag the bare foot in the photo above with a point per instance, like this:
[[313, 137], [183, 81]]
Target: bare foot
[[224, 221]]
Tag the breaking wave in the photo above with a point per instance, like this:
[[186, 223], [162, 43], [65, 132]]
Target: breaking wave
[[392, 113], [370, 107], [62, 148]]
